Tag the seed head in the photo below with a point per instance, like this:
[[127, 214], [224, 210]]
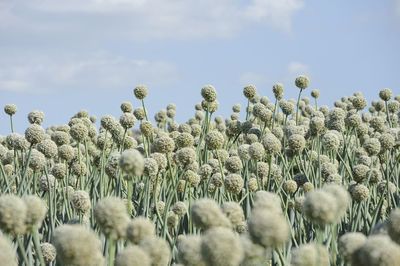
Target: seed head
[[221, 247], [302, 82], [209, 93], [36, 117], [189, 250], [132, 162], [140, 92], [34, 134], [249, 91], [385, 94], [277, 89], [233, 211], [349, 243], [76, 245], [310, 254], [377, 250], [139, 229], [7, 254], [12, 215], [157, 249], [206, 214], [81, 201], [133, 256], [214, 140], [35, 211], [268, 229]]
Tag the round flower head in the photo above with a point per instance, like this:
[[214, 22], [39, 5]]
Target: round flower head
[[35, 211], [256, 151], [10, 109], [287, 107], [140, 92], [189, 250], [349, 243], [160, 159], [359, 192], [133, 256], [268, 229], [330, 141], [184, 140], [37, 161], [394, 226], [60, 138], [214, 140], [132, 162], [268, 201], [186, 156], [146, 128], [359, 102], [34, 134], [81, 201], [79, 132], [47, 182], [112, 216], [139, 229], [302, 82], [172, 219], [59, 170], [221, 247], [126, 107], [48, 251], [385, 94], [207, 214], [249, 91], [179, 208], [318, 207], [78, 169], [310, 254], [127, 120], [290, 186], [12, 215], [277, 89], [377, 250], [139, 113], [233, 164], [163, 144], [7, 254], [271, 144], [233, 211], [76, 245], [387, 141], [36, 117], [372, 146], [209, 93], [157, 249], [234, 183], [48, 148], [360, 172], [297, 142], [315, 94]]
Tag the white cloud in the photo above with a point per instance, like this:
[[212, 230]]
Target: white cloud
[[147, 19], [99, 71], [292, 70], [257, 79], [397, 7], [276, 14]]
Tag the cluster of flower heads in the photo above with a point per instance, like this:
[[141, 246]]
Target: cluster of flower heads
[[293, 182]]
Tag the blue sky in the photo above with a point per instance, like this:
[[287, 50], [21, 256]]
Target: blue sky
[[63, 56]]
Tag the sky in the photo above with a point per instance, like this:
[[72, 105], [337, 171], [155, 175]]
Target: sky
[[64, 56]]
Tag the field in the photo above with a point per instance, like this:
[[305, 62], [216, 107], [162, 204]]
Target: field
[[294, 183]]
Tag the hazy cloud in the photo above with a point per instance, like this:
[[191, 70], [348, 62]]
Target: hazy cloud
[[38, 74]]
